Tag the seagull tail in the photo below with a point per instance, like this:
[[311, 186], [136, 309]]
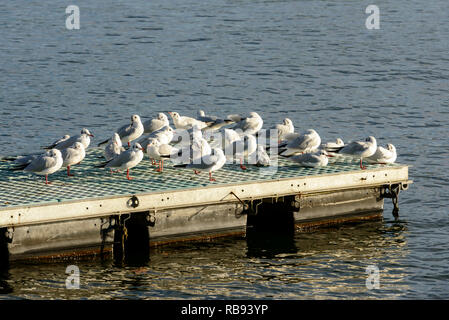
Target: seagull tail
[[8, 158], [102, 164], [103, 142], [180, 165], [19, 167]]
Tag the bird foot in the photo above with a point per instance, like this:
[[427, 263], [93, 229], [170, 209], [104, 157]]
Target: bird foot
[[158, 170], [243, 167], [129, 178], [196, 172]]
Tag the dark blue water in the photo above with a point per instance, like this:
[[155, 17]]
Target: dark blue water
[[313, 61]]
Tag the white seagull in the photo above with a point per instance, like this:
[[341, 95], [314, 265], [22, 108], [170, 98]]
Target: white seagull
[[262, 157], [306, 142], [211, 162], [311, 160], [129, 132], [241, 149], [72, 155], [158, 151], [155, 124], [214, 123], [360, 149], [249, 125], [45, 164], [114, 147], [125, 160], [384, 155], [182, 122], [84, 138], [283, 129]]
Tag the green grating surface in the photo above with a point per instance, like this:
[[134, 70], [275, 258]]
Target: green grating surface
[[20, 188]]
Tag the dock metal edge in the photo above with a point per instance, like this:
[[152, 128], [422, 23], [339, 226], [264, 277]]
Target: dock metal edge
[[211, 194]]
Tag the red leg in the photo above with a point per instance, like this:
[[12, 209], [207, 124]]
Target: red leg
[[210, 176], [127, 175], [159, 169], [241, 164], [361, 165], [46, 179], [129, 144], [68, 172], [196, 172]]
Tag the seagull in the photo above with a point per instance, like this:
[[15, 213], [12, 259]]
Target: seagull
[[214, 123], [84, 138], [247, 126], [306, 142], [153, 125], [384, 155], [125, 160], [331, 146], [262, 158], [72, 155], [210, 162], [129, 132], [159, 151], [164, 135], [114, 147], [193, 152], [311, 159], [45, 164], [359, 149], [242, 148], [227, 137], [181, 122], [282, 129]]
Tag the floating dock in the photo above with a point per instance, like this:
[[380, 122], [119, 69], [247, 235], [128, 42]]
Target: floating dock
[[96, 212]]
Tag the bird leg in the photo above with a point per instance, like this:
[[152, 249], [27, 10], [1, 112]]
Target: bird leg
[[241, 164], [68, 172], [127, 175], [46, 179], [129, 144], [160, 168], [361, 165], [196, 172], [210, 176]]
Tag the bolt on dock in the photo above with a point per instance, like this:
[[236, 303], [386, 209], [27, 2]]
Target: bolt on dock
[[96, 212]]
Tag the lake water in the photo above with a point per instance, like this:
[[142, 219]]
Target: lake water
[[313, 61]]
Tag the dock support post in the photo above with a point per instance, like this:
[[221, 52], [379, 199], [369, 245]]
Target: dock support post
[[392, 191], [5, 238], [131, 238]]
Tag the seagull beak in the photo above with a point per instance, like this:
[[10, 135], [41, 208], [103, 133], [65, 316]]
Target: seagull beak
[[91, 135], [142, 149]]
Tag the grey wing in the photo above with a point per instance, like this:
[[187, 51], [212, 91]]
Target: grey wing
[[40, 164], [67, 143], [152, 125], [207, 162], [121, 159], [354, 147], [124, 130]]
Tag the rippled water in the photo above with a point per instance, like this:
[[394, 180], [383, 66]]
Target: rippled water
[[311, 60]]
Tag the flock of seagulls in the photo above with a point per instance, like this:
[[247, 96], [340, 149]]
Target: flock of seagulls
[[201, 143]]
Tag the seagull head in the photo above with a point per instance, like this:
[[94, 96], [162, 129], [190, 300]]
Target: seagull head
[[391, 147], [137, 147], [161, 116], [116, 139], [86, 131], [135, 118], [340, 142], [78, 146], [174, 115], [55, 153]]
